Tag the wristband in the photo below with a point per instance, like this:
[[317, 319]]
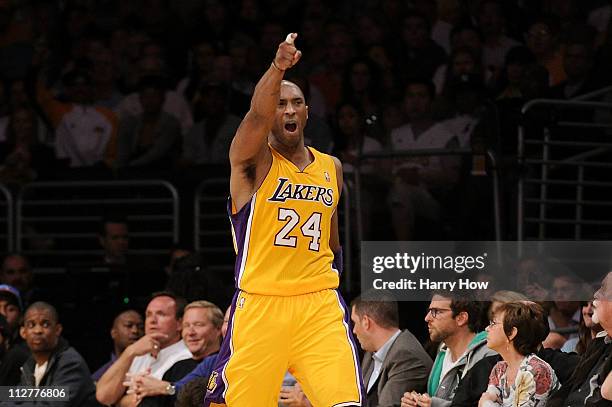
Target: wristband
[[276, 66]]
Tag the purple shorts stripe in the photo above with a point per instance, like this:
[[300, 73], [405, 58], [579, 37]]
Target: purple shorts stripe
[[353, 344], [217, 384]]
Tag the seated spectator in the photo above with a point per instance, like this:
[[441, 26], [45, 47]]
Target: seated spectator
[[420, 182], [584, 388], [394, 362], [23, 156], [457, 323], [174, 103], [127, 329], [521, 378], [53, 362], [17, 272], [201, 333], [496, 45], [543, 42], [360, 84], [114, 238], [209, 140], [10, 307], [104, 78], [156, 352], [587, 331], [476, 381], [205, 368], [578, 62], [17, 351], [85, 135], [420, 55], [150, 138], [564, 314]]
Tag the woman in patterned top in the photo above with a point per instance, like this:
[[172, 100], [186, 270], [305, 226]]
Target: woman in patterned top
[[521, 379]]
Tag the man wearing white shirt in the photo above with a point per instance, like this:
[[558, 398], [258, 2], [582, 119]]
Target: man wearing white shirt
[[394, 362], [416, 177], [157, 351]]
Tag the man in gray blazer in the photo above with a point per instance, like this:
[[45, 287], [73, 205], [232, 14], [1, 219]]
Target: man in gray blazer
[[394, 362]]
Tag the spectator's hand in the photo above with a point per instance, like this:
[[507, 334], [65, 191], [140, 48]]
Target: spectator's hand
[[287, 55], [148, 344], [147, 386], [424, 400], [486, 396], [410, 399], [293, 397]]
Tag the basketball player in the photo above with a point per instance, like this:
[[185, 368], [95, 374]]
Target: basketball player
[[287, 313]]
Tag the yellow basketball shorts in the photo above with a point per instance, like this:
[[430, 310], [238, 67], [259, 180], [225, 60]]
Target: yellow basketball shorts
[[308, 335]]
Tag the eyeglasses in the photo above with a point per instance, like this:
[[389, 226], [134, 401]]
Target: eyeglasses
[[435, 312]]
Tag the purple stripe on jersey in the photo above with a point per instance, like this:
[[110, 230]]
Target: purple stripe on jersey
[[240, 223], [338, 262], [216, 383], [347, 321]]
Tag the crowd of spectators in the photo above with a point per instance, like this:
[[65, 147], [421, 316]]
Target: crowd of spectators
[[507, 351], [106, 89], [114, 89]]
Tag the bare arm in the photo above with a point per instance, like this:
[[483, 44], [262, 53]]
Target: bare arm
[[110, 387], [249, 155], [334, 238]]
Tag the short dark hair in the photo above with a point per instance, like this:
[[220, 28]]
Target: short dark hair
[[191, 394], [45, 306], [378, 305], [467, 302], [178, 300], [530, 322], [111, 218]]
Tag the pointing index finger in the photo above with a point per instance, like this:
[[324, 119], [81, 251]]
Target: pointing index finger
[[290, 38]]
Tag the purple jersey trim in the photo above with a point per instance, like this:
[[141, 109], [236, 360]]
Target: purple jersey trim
[[240, 225], [338, 262]]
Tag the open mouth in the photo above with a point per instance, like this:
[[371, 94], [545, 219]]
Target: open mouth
[[291, 127]]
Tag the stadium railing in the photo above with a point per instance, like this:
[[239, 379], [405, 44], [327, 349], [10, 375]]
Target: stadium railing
[[58, 222], [7, 220], [563, 192]]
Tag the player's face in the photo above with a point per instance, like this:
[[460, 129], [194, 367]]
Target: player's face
[[199, 333], [291, 116]]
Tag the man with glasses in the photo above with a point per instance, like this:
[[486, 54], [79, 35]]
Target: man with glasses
[[456, 322]]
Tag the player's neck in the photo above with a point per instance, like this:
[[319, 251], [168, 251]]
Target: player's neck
[[298, 155]]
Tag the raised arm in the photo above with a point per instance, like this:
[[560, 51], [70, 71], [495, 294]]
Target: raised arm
[[249, 155]]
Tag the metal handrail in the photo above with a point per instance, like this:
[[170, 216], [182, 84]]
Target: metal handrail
[[387, 154], [92, 185], [594, 94], [10, 218], [578, 160]]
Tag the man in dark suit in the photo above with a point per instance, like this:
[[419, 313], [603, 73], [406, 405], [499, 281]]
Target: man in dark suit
[[394, 362]]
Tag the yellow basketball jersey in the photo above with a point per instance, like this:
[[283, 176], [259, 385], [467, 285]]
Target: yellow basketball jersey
[[281, 235]]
